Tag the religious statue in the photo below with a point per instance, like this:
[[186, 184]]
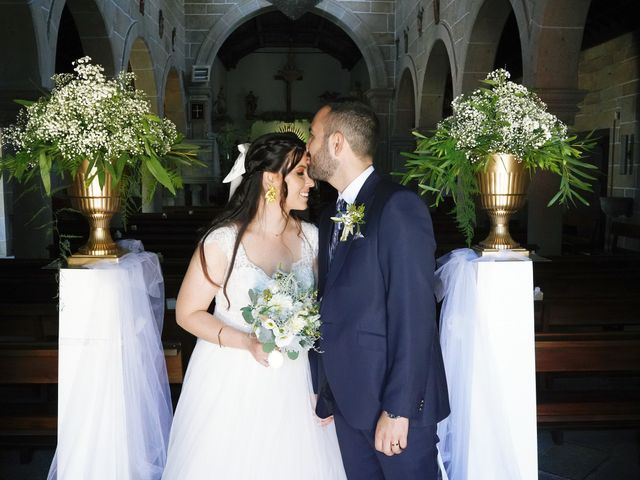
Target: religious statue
[[406, 40], [289, 74], [220, 103], [251, 104], [357, 91], [420, 20]]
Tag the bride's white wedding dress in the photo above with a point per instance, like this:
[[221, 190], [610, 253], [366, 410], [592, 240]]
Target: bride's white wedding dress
[[237, 419]]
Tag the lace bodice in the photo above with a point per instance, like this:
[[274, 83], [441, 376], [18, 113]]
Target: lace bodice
[[246, 275]]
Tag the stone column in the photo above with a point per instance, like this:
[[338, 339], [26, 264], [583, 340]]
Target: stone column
[[380, 100], [544, 224], [25, 211], [5, 233]]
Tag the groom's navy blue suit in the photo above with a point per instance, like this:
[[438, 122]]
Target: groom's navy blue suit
[[379, 334]]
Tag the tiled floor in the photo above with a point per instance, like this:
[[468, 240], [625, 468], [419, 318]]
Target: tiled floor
[[592, 455]]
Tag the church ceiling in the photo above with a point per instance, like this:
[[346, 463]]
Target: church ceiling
[[275, 30]]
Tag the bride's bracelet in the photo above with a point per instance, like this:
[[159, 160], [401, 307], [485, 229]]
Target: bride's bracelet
[[219, 332]]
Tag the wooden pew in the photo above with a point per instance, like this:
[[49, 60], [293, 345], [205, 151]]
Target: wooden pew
[[27, 281], [21, 322], [585, 314], [34, 424], [609, 354], [588, 293]]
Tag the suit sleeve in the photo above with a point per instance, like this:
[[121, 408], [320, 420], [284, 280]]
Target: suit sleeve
[[406, 252]]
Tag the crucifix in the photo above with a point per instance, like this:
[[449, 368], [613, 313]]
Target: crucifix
[[289, 74]]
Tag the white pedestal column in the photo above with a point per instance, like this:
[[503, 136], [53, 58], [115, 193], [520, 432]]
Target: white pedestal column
[[114, 406], [502, 435], [488, 341]]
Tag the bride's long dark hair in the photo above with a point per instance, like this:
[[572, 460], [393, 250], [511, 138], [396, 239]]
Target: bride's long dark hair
[[273, 152]]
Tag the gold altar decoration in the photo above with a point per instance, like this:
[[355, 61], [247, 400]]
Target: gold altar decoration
[[503, 191], [98, 205]]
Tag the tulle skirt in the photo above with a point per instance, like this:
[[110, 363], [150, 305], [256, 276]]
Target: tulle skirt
[[239, 420]]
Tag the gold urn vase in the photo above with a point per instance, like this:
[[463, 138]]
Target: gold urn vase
[[503, 191], [98, 205]]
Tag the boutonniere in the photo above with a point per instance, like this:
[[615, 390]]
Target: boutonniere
[[351, 220]]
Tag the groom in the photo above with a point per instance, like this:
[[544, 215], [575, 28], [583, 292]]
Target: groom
[[381, 372]]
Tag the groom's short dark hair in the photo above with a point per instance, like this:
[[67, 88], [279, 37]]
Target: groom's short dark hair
[[357, 122]]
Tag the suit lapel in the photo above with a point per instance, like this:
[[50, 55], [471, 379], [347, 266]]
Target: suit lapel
[[365, 196]]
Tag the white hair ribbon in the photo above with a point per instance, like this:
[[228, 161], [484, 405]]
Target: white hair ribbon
[[237, 171]]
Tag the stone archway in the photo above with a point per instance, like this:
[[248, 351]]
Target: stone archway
[[141, 63], [485, 38], [21, 71], [552, 66], [91, 29], [437, 87], [405, 118], [329, 9], [174, 100], [380, 92], [20, 209]]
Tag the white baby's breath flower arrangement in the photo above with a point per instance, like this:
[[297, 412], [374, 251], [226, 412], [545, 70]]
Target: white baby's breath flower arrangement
[[105, 121], [284, 317], [501, 117]]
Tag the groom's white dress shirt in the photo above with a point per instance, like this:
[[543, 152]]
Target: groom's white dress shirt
[[350, 193]]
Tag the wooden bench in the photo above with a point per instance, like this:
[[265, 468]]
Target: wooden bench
[[588, 293], [31, 364], [611, 354], [23, 322], [585, 314]]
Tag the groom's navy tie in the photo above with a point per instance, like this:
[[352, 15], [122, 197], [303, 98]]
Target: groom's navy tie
[[341, 209]]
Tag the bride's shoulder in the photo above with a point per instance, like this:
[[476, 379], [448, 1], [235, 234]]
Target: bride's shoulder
[[309, 229], [223, 237], [310, 232]]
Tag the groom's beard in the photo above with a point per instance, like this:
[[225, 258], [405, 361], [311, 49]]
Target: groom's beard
[[322, 165]]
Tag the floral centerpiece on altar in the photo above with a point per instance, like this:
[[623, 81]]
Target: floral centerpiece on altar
[[284, 316], [499, 120], [97, 131]]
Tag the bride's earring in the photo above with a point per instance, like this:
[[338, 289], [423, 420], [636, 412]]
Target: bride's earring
[[270, 196]]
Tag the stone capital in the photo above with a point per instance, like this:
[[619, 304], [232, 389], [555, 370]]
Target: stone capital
[[562, 102]]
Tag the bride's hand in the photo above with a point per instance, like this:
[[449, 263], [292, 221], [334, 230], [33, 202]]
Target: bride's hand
[[255, 348], [323, 422]]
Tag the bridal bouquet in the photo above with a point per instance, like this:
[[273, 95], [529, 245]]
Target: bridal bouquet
[[284, 316]]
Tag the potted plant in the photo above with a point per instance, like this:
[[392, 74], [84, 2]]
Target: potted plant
[[496, 138], [100, 134]]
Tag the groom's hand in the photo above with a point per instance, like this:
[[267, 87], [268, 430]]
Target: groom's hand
[[391, 434]]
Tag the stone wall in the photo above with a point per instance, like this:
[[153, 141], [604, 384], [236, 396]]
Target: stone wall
[[610, 74]]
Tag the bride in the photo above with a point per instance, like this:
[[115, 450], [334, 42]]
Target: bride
[[237, 418]]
